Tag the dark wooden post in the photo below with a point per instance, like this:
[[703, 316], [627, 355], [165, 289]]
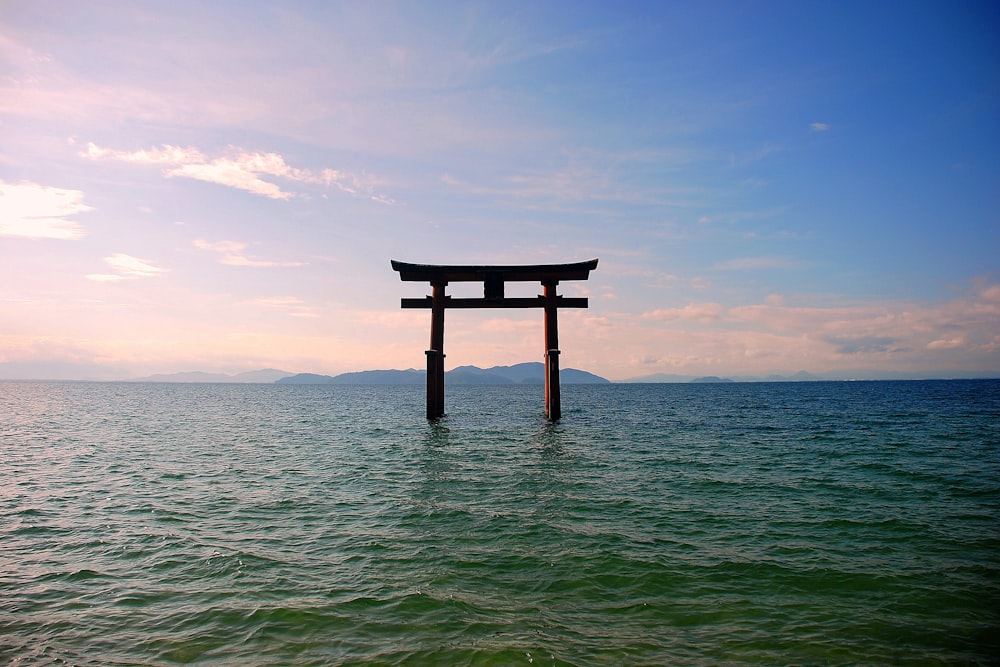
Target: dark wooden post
[[435, 355], [553, 408]]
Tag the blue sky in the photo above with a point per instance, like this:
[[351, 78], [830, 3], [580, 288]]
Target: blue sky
[[770, 186]]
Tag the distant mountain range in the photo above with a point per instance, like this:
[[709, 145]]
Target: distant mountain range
[[526, 373], [265, 375]]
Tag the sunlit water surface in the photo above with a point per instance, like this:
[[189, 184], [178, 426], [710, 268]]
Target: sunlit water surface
[[798, 523]]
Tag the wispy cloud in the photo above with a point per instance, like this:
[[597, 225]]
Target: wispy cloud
[[949, 334], [37, 211], [126, 267], [239, 169], [293, 305], [951, 343], [232, 253], [591, 177], [861, 344], [746, 158], [693, 312], [279, 301], [757, 263], [819, 127]]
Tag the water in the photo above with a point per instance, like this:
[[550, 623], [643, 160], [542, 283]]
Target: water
[[799, 523]]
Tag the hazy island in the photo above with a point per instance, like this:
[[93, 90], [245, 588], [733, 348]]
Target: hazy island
[[526, 373]]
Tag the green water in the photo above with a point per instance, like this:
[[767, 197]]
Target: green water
[[798, 523]]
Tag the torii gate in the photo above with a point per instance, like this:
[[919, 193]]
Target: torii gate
[[493, 279]]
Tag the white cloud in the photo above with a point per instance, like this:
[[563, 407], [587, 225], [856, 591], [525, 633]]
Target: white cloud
[[231, 253], [291, 305], [38, 211], [752, 263], [240, 173], [819, 127], [946, 343], [132, 266], [165, 155], [752, 157], [241, 170], [125, 267], [955, 334], [278, 301], [693, 312]]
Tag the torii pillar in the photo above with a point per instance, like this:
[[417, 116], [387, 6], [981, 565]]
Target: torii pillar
[[435, 353], [493, 279], [553, 405]]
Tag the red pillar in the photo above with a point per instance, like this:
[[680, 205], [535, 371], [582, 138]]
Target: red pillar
[[553, 407], [435, 355]]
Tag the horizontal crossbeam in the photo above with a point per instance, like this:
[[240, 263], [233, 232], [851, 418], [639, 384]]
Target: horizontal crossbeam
[[512, 302]]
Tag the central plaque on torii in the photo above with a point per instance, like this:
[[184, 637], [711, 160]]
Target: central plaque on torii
[[493, 278]]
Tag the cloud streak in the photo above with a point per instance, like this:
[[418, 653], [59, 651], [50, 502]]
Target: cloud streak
[[240, 169], [126, 267], [231, 254], [757, 264], [292, 305], [947, 335], [36, 211], [693, 312]]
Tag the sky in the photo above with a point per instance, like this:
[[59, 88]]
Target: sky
[[769, 187]]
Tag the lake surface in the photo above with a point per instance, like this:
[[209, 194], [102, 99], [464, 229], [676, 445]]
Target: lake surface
[[699, 524]]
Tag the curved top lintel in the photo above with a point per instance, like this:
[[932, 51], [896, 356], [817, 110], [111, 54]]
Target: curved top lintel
[[508, 272]]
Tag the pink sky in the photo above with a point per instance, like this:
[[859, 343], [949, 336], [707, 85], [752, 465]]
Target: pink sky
[[224, 192]]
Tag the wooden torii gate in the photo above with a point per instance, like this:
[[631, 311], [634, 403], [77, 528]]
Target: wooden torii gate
[[493, 278]]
